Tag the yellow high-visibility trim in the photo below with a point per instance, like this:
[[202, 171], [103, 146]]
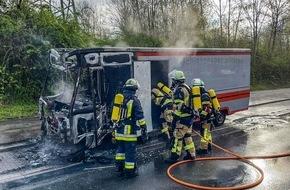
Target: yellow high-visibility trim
[[129, 165], [205, 102], [178, 101], [206, 137], [180, 114], [129, 105], [128, 129], [174, 145], [120, 158], [189, 146], [142, 122], [167, 101], [164, 130], [128, 139]]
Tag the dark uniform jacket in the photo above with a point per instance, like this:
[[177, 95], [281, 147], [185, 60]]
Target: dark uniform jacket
[[206, 111], [182, 104], [127, 130]]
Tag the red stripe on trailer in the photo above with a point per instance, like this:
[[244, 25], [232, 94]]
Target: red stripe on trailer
[[232, 112], [234, 98], [189, 53], [233, 95]]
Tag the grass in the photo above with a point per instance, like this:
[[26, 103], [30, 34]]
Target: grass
[[17, 111], [269, 86]]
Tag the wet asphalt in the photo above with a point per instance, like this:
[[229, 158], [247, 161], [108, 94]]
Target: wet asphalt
[[261, 130]]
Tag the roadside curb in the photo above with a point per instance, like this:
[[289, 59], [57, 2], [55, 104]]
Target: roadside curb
[[269, 102]]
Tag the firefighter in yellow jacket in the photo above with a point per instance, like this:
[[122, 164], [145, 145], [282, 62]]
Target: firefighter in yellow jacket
[[125, 133], [206, 114], [182, 119], [164, 101]]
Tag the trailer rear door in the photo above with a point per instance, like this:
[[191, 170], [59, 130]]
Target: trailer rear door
[[143, 76]]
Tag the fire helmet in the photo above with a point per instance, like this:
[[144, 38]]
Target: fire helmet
[[177, 75], [132, 84], [197, 82]]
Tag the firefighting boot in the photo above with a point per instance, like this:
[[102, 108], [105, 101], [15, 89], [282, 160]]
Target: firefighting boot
[[131, 173], [201, 151], [209, 147], [188, 156], [173, 158], [170, 144], [119, 171]]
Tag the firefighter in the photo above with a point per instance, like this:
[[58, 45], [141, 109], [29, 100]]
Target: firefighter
[[125, 133], [206, 117], [182, 119], [164, 101]]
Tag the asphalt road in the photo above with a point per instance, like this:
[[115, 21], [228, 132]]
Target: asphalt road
[[259, 140], [261, 130]]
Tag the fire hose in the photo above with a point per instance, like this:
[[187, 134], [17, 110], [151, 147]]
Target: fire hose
[[233, 157]]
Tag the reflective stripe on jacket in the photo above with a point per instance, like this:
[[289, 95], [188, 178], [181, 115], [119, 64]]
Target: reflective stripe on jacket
[[206, 110], [182, 100], [127, 130]]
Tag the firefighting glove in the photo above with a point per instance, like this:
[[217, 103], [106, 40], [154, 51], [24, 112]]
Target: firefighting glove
[[113, 137], [144, 137]]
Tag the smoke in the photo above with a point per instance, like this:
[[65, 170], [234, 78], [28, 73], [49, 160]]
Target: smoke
[[64, 89], [67, 93], [185, 34]]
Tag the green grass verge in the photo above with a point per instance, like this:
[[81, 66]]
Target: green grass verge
[[269, 86], [17, 111]]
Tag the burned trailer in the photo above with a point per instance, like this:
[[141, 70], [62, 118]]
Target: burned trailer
[[79, 112]]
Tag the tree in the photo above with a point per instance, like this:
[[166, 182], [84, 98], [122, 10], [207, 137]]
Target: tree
[[278, 12], [174, 22], [255, 14]]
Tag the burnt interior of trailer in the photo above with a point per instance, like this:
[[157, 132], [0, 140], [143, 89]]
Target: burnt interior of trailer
[[115, 78], [159, 73]]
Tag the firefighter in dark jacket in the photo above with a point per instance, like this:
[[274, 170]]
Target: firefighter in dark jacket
[[165, 103], [206, 117], [126, 130], [182, 119]]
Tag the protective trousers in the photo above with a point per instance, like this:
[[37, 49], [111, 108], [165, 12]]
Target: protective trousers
[[206, 134], [126, 156], [166, 119], [182, 133]]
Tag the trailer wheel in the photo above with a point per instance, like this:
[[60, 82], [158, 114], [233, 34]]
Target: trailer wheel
[[220, 119]]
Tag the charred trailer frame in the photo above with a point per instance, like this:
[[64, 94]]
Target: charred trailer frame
[[83, 118]]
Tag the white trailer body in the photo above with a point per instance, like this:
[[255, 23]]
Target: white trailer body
[[227, 71]]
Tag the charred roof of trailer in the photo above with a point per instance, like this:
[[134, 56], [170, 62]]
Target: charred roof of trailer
[[154, 49]]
